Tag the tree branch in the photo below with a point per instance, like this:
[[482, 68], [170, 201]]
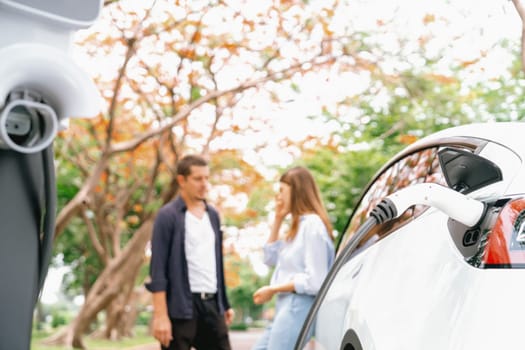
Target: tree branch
[[187, 109], [150, 186], [72, 207], [94, 239], [131, 42]]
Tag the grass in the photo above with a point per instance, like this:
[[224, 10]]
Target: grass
[[141, 338]]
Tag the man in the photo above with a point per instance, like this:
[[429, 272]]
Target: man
[[190, 307]]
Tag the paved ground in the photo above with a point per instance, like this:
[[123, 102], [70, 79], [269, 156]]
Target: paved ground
[[239, 341], [244, 340]]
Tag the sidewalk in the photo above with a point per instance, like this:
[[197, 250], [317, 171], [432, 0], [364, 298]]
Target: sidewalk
[[245, 340], [240, 340]]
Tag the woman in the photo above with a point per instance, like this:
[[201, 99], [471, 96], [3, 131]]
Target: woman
[[301, 259]]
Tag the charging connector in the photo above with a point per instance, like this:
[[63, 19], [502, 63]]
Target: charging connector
[[27, 125], [458, 206], [18, 124]]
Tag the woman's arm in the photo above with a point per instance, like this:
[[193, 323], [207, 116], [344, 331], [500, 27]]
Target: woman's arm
[[273, 244], [265, 294], [274, 233], [280, 213], [271, 252], [318, 254]]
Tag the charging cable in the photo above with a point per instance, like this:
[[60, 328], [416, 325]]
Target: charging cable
[[457, 206]]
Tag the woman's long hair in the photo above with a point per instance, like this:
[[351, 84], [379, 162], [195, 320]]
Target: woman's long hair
[[305, 198]]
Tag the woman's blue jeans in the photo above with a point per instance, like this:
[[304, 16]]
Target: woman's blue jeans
[[290, 313]]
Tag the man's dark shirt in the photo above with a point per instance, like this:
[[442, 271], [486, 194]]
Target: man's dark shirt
[[169, 268]]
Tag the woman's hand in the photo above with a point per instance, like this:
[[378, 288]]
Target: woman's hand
[[263, 295], [281, 209]]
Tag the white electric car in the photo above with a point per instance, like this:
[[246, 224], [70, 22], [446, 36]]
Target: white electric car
[[434, 255]]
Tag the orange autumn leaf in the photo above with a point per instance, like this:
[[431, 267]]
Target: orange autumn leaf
[[429, 18], [133, 219], [407, 139], [442, 79], [187, 53], [197, 37], [465, 64], [327, 30], [248, 23], [233, 48]]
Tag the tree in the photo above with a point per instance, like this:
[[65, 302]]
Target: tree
[[174, 76], [418, 105]]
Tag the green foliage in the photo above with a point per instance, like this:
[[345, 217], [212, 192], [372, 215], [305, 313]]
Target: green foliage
[[195, 93], [68, 179], [144, 318], [417, 104], [77, 251], [239, 327], [341, 178], [246, 282], [58, 319], [259, 199], [53, 315]]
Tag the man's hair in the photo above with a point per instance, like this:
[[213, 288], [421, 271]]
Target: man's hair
[[184, 165]]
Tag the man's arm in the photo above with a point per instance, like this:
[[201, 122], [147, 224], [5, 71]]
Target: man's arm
[[161, 321], [159, 281]]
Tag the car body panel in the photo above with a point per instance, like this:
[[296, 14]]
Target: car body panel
[[414, 288], [454, 307]]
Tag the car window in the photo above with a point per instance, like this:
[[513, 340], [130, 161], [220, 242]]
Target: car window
[[422, 166]]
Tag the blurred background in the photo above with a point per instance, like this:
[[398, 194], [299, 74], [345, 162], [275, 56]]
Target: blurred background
[[255, 87]]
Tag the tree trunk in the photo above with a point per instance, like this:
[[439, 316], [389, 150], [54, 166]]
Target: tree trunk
[[128, 316], [114, 313], [121, 316], [108, 286], [122, 312], [66, 336]]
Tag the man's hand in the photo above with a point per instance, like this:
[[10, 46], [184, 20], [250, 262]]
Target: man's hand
[[162, 329], [263, 295], [228, 316]]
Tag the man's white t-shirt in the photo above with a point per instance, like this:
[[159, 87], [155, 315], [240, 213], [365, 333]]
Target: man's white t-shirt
[[200, 253]]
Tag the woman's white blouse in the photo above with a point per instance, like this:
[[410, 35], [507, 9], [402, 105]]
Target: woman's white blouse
[[305, 260]]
